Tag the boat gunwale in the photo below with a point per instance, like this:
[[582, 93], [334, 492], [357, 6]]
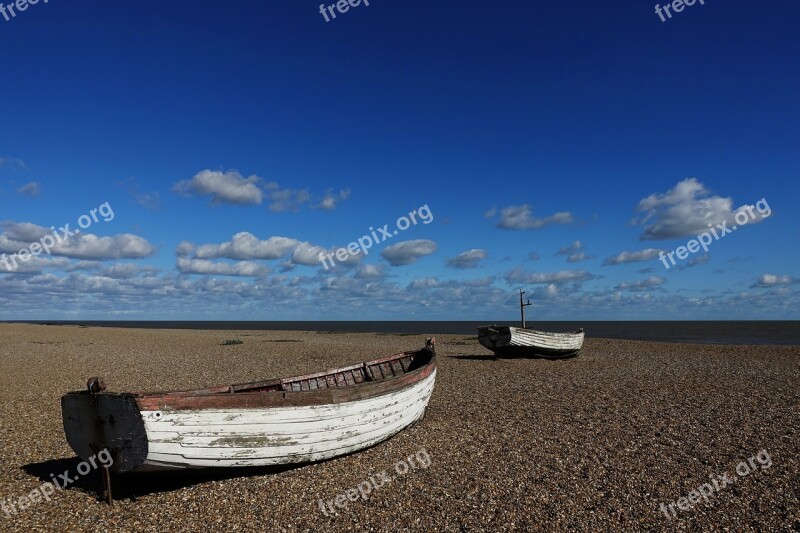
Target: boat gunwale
[[537, 331], [223, 397], [278, 399]]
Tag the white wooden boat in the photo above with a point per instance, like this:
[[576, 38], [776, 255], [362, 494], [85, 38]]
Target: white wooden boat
[[508, 341], [282, 421]]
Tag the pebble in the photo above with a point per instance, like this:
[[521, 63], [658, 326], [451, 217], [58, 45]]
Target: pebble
[[592, 443]]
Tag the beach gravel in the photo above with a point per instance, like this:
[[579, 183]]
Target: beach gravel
[[593, 443]]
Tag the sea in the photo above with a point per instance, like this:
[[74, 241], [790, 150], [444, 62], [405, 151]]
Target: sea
[[693, 332]]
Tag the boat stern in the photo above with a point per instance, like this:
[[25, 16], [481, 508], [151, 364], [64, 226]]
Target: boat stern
[[494, 337], [95, 421]]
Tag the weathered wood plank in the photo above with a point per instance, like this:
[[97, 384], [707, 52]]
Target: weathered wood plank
[[260, 443]]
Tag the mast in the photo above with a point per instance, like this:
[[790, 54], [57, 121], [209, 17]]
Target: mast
[[522, 306]]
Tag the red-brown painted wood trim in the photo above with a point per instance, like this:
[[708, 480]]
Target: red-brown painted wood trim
[[215, 398]]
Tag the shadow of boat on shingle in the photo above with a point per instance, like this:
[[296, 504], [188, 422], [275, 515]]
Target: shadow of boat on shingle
[[480, 357], [132, 485], [485, 357]]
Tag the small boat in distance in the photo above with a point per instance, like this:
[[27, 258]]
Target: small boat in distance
[[509, 341], [281, 421]]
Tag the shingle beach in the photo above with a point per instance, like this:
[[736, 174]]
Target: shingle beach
[[597, 442]]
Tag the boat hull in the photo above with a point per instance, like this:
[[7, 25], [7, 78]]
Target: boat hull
[[278, 422], [274, 436], [508, 341]]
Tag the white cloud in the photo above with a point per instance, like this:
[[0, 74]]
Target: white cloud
[[287, 266], [642, 285], [245, 245], [171, 296], [563, 276], [578, 257], [548, 292], [331, 200], [459, 287], [18, 236], [307, 254], [686, 210], [469, 259], [38, 264], [126, 271], [149, 200], [84, 265], [205, 267], [281, 199], [34, 265], [699, 260], [370, 272], [87, 246], [771, 280], [407, 252], [424, 283], [572, 248], [223, 187], [574, 253], [184, 249], [350, 259], [631, 257], [14, 163], [26, 232], [520, 217], [33, 188], [233, 188]]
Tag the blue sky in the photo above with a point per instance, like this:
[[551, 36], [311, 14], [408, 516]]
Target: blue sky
[[556, 149]]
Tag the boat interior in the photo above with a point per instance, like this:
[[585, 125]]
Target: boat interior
[[376, 370]]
